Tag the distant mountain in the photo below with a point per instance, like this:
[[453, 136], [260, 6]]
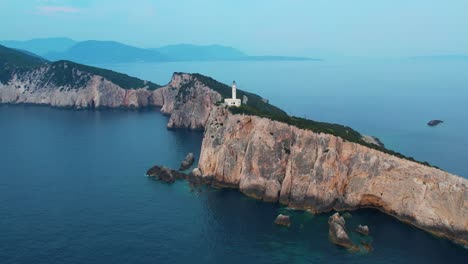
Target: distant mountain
[[41, 46], [29, 53], [441, 57], [188, 52], [276, 58], [93, 51], [99, 52]]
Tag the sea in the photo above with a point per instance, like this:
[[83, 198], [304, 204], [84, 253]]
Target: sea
[[73, 187]]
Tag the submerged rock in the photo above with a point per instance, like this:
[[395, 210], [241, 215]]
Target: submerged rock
[[283, 220], [434, 122], [367, 246], [347, 215], [187, 162], [337, 232], [165, 174], [363, 230]]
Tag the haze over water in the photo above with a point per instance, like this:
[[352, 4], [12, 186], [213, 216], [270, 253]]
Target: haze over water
[[390, 99]]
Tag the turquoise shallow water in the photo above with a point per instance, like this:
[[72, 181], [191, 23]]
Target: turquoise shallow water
[[73, 190]]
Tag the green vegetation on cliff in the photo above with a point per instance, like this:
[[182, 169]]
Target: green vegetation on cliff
[[257, 106], [12, 60], [62, 73], [253, 101], [261, 109]]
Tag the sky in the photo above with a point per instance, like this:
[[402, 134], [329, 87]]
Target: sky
[[373, 28]]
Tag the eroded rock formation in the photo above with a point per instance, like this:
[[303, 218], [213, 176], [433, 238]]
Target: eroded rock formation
[[187, 162], [165, 174], [363, 230], [283, 220], [337, 232], [186, 99], [275, 162]]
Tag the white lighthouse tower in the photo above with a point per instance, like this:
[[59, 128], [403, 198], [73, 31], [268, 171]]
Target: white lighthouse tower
[[233, 101]]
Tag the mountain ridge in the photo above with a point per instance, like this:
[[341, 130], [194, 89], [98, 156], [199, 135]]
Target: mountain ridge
[[102, 52]]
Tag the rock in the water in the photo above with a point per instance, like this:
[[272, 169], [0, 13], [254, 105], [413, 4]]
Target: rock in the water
[[321, 172], [196, 172], [363, 230], [283, 220], [165, 174], [337, 232], [434, 122], [347, 215], [187, 162]]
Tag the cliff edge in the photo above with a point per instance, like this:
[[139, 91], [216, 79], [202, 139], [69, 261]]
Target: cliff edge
[[276, 162]]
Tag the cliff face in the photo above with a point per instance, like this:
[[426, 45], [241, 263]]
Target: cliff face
[[187, 100], [273, 161], [83, 90]]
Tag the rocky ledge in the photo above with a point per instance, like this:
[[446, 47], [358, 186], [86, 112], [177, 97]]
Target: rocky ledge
[[276, 162]]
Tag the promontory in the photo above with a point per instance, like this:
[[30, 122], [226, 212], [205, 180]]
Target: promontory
[[257, 147]]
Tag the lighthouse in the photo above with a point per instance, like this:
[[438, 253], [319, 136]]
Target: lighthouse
[[233, 101]]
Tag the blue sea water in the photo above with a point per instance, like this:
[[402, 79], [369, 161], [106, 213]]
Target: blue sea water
[[73, 190]]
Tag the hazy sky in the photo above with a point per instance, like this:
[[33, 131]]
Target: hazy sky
[[260, 27]]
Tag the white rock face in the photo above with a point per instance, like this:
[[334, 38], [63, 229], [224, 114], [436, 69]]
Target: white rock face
[[91, 91], [187, 100], [275, 162]]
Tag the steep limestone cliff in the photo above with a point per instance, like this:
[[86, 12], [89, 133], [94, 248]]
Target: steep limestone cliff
[[186, 99], [273, 161], [26, 79], [189, 101]]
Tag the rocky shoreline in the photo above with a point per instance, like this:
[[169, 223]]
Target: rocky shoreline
[[275, 162], [265, 159], [186, 100]]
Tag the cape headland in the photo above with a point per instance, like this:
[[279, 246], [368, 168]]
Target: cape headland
[[257, 147]]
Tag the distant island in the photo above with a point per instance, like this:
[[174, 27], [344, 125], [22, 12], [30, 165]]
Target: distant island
[[101, 52], [446, 57]]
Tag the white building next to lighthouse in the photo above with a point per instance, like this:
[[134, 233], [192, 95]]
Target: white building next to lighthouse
[[233, 101]]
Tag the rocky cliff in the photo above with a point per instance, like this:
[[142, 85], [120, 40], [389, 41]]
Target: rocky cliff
[[275, 162], [189, 101], [185, 98], [83, 90]]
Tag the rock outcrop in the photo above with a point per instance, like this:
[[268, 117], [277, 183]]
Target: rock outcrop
[[373, 140], [275, 162], [283, 220], [434, 122], [190, 102], [165, 174], [337, 232], [187, 162], [363, 230]]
